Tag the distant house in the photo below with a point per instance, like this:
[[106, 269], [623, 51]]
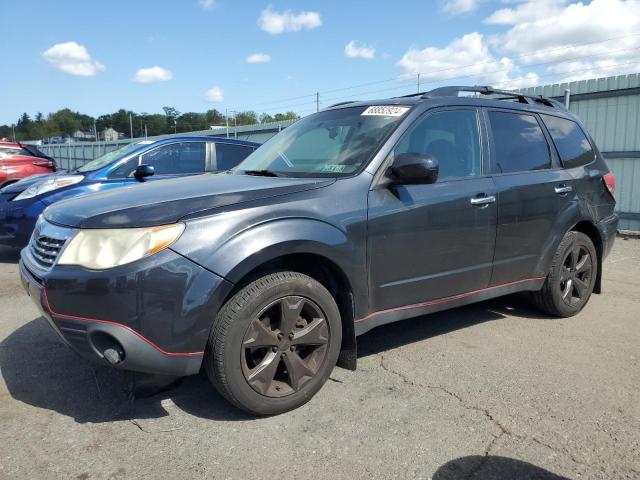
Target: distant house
[[79, 135], [110, 135]]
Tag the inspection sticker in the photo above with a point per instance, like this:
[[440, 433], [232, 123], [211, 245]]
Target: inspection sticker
[[385, 110]]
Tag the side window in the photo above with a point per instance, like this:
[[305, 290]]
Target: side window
[[518, 142], [572, 144], [177, 158], [228, 156], [451, 137], [126, 169]]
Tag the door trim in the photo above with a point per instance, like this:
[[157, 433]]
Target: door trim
[[390, 315]]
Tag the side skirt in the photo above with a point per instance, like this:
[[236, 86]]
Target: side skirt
[[383, 317]]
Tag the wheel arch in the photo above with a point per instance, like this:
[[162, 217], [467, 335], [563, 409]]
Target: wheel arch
[[590, 230], [328, 273]]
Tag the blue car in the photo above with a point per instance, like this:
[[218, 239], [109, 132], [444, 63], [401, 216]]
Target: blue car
[[21, 203]]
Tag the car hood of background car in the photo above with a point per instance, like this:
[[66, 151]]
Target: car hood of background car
[[167, 201]]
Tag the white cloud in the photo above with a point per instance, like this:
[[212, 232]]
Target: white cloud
[[526, 11], [278, 22], [73, 59], [259, 58], [152, 75], [214, 94], [576, 37], [207, 4], [457, 7], [468, 57], [354, 49]]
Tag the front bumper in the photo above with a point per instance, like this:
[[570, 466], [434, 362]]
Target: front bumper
[[157, 312], [17, 220]]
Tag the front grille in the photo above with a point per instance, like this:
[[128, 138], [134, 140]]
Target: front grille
[[45, 250]]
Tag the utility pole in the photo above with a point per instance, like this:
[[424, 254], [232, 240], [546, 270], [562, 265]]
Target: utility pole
[[13, 127], [130, 125], [317, 101], [175, 125], [567, 98], [418, 83], [145, 131], [226, 118]]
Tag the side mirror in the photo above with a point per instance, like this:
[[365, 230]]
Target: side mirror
[[143, 171], [414, 168]]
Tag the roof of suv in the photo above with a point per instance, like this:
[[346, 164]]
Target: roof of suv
[[482, 96]]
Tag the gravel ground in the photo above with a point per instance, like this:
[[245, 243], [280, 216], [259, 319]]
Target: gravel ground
[[490, 391]]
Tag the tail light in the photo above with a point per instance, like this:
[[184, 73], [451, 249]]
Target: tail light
[[610, 183], [45, 163]]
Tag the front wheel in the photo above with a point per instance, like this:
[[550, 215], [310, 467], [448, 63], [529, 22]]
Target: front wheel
[[274, 343], [572, 277]]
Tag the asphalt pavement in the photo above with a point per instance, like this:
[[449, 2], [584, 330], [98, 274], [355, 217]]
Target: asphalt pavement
[[495, 390]]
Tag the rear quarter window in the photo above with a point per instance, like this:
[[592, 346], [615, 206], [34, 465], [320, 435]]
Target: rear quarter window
[[228, 155], [573, 145]]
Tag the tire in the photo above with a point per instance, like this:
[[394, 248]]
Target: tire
[[256, 356], [570, 282]]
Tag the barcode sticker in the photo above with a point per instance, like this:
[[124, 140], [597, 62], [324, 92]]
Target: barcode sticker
[[386, 110]]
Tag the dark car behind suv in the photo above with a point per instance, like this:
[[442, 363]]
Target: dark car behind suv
[[359, 215]]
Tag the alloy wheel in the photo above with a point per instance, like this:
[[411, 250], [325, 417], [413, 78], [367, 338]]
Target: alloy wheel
[[284, 346], [575, 277]]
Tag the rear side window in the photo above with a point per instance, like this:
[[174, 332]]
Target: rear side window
[[518, 142], [228, 155], [572, 144]]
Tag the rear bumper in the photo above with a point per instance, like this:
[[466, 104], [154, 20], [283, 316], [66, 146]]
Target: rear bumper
[[159, 323], [608, 228]]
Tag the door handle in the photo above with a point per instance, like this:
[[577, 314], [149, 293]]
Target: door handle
[[563, 189], [485, 200]]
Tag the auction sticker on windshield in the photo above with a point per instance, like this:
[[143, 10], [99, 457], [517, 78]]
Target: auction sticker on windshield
[[385, 110]]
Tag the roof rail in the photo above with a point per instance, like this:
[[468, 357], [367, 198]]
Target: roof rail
[[453, 91], [342, 103]]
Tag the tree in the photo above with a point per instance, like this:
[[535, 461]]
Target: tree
[[246, 118], [214, 117], [266, 118]]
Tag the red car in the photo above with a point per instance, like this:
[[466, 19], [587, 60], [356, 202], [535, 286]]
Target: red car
[[18, 161]]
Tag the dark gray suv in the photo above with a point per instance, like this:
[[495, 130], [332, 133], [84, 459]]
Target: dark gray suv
[[362, 214]]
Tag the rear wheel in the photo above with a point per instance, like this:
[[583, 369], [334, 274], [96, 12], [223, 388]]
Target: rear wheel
[[274, 343], [572, 278]]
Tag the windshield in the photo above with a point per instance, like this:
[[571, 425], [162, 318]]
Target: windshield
[[107, 158], [332, 143]]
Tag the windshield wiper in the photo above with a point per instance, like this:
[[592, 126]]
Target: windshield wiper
[[261, 173]]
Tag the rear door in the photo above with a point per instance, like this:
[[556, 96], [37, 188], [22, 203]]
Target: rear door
[[533, 191]]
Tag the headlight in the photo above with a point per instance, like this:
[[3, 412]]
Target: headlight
[[99, 249], [48, 185]]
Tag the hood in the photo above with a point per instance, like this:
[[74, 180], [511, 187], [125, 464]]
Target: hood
[[162, 202], [25, 183]]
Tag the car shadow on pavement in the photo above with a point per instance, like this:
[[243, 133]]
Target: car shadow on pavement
[[38, 369], [9, 255], [491, 467], [398, 334]]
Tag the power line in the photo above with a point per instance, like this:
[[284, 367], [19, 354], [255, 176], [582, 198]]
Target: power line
[[403, 77]]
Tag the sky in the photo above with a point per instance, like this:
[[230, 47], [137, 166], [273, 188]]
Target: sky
[[194, 55]]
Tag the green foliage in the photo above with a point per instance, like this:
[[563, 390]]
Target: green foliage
[[66, 122]]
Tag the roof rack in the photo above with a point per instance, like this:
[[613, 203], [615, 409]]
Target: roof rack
[[341, 103], [487, 90]]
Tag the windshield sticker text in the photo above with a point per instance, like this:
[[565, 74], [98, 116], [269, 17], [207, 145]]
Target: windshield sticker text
[[385, 111]]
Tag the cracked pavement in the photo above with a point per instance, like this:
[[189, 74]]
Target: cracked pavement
[[490, 391]]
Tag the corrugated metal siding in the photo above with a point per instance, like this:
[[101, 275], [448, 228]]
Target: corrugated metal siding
[[614, 123]]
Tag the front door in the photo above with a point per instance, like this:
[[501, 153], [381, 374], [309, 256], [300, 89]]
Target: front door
[[432, 241]]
